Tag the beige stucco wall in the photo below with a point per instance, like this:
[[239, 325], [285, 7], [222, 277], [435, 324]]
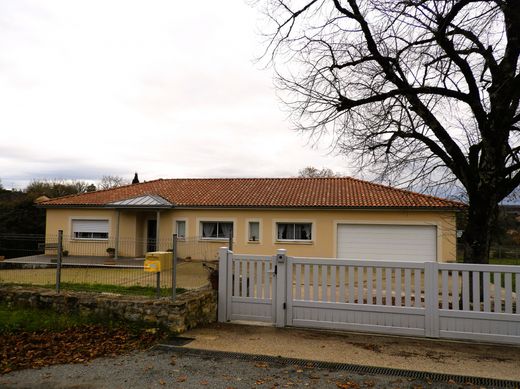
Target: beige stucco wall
[[133, 227]]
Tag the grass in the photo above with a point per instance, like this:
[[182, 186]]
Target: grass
[[13, 319], [504, 261]]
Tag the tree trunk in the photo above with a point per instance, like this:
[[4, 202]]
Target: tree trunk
[[482, 214]]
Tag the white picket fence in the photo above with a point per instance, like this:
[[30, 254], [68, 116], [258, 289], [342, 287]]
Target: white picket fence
[[438, 300]]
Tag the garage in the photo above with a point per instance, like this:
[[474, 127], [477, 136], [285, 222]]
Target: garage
[[415, 243]]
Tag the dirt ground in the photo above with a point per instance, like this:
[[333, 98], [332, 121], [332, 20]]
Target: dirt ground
[[450, 357], [160, 369]]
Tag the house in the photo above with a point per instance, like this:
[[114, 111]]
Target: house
[[311, 217]]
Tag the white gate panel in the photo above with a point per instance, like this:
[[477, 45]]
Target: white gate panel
[[387, 242], [350, 295], [467, 312], [455, 301], [252, 288], [353, 317]]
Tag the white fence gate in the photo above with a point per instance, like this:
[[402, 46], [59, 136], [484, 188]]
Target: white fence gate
[[437, 300]]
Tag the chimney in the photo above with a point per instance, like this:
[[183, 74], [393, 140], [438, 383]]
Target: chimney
[[136, 179]]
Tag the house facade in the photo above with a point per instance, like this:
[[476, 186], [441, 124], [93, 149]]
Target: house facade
[[310, 217]]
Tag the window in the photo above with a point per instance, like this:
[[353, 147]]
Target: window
[[180, 228], [90, 229], [216, 230], [254, 231], [294, 231]]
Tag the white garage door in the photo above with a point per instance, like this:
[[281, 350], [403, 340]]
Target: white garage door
[[387, 242]]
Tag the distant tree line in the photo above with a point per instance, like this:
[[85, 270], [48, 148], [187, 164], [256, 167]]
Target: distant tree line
[[19, 213]]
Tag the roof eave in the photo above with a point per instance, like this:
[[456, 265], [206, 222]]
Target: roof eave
[[321, 207], [104, 206]]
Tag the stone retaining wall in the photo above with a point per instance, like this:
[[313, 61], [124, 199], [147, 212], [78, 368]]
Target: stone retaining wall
[[192, 308]]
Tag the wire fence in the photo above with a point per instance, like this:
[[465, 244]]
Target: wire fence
[[103, 266]]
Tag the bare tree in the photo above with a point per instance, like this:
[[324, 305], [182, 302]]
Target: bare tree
[[109, 182], [312, 172], [426, 91]]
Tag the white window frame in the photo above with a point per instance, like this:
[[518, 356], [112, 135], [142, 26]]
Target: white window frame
[[200, 228], [73, 233], [284, 221], [185, 228], [259, 237]]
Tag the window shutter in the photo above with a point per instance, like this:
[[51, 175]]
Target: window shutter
[[90, 226]]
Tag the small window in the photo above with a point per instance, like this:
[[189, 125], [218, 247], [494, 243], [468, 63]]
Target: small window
[[294, 231], [216, 230], [90, 229], [180, 228], [254, 232]]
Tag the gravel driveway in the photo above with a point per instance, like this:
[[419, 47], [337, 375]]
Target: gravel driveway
[[166, 369]]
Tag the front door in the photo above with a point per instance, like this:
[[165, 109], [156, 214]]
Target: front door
[[151, 235]]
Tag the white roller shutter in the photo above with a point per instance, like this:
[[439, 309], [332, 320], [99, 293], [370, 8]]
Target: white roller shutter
[[90, 226], [387, 242]]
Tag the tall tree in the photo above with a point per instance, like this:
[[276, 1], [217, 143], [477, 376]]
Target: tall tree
[[312, 172], [424, 90]]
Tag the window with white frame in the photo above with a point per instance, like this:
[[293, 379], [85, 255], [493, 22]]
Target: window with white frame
[[294, 231], [216, 230], [254, 231], [180, 229], [90, 229]]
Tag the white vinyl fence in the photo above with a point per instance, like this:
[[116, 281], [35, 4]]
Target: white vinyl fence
[[437, 300]]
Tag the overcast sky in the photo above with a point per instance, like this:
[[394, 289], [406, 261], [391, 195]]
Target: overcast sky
[[164, 88]]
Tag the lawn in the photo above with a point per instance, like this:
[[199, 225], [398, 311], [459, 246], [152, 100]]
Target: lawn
[[14, 319], [504, 261]]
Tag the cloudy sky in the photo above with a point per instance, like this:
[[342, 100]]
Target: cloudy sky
[[165, 88]]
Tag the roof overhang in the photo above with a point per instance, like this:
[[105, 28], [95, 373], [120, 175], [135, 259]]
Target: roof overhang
[[245, 207], [140, 202]]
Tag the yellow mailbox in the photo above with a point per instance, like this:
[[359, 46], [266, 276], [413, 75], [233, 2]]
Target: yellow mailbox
[[152, 266], [157, 261]]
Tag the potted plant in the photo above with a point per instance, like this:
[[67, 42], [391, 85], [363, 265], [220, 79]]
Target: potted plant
[[111, 252], [65, 253]]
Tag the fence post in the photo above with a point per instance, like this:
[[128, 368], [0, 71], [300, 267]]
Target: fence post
[[58, 261], [222, 307], [158, 284], [174, 267], [280, 273], [431, 299], [230, 244]]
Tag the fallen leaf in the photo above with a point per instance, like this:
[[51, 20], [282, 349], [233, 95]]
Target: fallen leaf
[[347, 385], [182, 378]]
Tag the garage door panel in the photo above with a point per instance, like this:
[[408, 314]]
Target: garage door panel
[[387, 242]]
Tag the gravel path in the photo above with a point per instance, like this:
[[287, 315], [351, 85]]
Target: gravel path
[[164, 369]]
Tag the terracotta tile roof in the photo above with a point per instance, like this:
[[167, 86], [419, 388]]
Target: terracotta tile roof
[[342, 192]]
